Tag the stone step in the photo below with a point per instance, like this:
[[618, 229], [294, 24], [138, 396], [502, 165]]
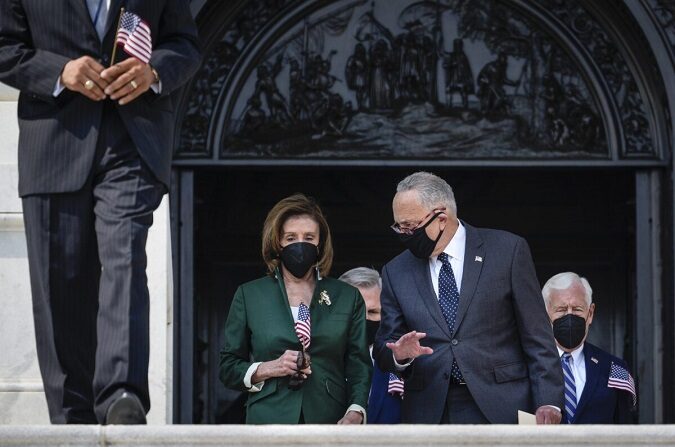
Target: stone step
[[339, 436]]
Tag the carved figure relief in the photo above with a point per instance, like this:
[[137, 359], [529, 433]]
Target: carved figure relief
[[453, 79]]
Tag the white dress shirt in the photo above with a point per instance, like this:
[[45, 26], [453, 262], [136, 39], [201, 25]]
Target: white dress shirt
[[578, 367]]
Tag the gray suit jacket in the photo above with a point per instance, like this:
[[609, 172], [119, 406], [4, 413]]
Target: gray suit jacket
[[503, 340], [58, 136]]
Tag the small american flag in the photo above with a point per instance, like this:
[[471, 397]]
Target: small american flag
[[303, 327], [621, 379], [134, 37], [395, 385]]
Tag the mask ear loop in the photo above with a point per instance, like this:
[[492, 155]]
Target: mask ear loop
[[316, 266], [276, 270]]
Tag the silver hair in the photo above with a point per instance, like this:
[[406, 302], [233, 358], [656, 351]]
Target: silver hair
[[563, 281], [433, 190], [362, 277]]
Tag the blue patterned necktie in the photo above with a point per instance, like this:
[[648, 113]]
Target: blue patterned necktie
[[570, 387], [448, 299], [98, 10]]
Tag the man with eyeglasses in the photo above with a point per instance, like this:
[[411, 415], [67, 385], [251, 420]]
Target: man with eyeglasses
[[463, 320]]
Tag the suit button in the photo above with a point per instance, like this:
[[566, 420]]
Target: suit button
[[105, 60], [454, 342], [446, 376]]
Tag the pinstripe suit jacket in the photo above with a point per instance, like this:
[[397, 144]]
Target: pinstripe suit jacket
[[503, 340], [58, 136]]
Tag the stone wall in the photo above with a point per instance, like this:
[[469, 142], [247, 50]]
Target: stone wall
[[21, 394], [343, 436]]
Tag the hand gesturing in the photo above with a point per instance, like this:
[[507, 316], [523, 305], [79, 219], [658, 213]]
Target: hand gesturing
[[408, 347]]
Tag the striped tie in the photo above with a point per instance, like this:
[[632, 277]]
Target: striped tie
[[570, 387]]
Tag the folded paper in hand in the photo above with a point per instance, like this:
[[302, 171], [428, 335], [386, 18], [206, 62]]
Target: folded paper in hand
[[525, 418]]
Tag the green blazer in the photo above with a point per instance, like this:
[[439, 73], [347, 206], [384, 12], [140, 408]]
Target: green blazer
[[260, 327]]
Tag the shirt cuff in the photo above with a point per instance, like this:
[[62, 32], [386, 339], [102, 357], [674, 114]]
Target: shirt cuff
[[553, 406], [359, 409], [400, 367], [58, 88], [157, 88], [253, 388]]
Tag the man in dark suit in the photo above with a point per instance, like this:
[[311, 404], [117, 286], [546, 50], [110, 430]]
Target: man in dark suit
[[386, 389], [95, 149], [598, 387], [461, 317]]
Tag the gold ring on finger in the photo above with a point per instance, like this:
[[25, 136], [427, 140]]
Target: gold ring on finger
[[89, 84], [133, 84]]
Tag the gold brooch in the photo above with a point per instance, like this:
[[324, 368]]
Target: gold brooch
[[324, 298]]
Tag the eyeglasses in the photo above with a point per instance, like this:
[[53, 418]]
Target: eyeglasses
[[410, 230]]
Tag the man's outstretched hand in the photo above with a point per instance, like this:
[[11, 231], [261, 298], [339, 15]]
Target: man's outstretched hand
[[408, 347]]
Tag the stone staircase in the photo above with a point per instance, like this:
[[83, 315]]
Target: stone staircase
[[339, 436]]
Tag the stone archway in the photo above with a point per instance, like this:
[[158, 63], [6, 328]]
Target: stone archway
[[552, 83]]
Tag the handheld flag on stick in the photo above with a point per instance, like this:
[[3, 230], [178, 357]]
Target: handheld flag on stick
[[621, 379], [303, 327], [395, 385], [133, 35]]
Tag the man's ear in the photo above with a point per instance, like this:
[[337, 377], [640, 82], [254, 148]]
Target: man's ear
[[591, 312]]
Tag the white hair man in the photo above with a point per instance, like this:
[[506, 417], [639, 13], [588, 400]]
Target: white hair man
[[598, 387], [462, 317], [386, 390]]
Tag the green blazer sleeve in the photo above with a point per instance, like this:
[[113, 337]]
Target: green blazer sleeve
[[358, 366], [236, 351]]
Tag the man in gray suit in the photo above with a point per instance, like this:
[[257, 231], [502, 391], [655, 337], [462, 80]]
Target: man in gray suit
[[462, 317], [95, 145]]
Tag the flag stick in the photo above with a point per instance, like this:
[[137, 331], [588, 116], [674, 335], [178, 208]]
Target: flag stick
[[117, 31]]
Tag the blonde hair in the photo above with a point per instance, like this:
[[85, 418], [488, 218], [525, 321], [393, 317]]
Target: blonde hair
[[295, 205]]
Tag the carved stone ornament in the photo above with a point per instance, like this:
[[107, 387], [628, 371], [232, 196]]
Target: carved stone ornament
[[403, 79]]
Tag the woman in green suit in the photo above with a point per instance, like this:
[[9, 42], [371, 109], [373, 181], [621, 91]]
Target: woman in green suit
[[292, 314]]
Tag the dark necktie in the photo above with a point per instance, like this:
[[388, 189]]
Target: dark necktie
[[570, 387], [448, 299]]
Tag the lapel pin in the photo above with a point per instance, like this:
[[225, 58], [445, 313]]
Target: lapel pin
[[479, 259], [324, 298], [594, 360]]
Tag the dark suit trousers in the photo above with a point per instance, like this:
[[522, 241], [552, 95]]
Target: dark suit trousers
[[461, 408], [86, 252]]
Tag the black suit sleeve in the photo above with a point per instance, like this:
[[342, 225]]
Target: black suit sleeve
[[177, 54], [392, 327], [536, 334], [623, 413], [31, 71]]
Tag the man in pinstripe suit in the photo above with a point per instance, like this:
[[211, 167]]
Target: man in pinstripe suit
[[95, 149]]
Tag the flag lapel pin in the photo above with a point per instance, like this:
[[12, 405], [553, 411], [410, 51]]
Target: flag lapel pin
[[478, 259], [594, 360]]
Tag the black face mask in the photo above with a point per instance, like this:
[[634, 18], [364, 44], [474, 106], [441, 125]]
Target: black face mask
[[299, 257], [419, 243], [371, 330], [569, 330]]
